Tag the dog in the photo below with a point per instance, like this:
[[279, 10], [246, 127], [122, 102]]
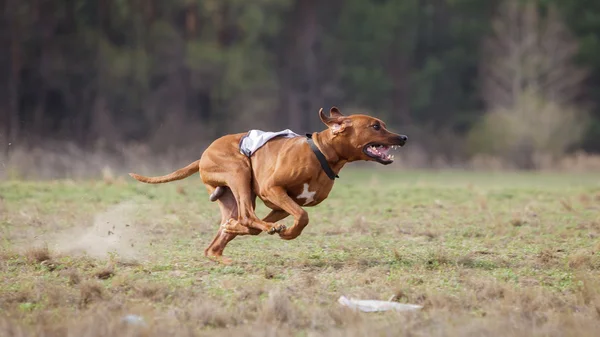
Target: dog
[[287, 173]]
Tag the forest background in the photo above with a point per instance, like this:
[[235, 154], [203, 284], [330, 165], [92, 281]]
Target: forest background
[[91, 86]]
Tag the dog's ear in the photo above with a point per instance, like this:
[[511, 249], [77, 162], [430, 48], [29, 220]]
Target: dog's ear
[[336, 121], [335, 112]]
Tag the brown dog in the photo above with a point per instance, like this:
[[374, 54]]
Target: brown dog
[[285, 173]]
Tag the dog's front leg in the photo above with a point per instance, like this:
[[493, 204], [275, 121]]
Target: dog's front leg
[[279, 197], [275, 215]]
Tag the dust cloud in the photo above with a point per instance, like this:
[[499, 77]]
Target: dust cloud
[[112, 231]]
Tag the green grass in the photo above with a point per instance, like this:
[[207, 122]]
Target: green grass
[[484, 253]]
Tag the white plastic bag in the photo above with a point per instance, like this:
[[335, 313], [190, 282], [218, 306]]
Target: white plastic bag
[[374, 305]]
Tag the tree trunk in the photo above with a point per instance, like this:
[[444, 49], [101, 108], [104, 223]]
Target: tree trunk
[[39, 112], [400, 72], [98, 104], [44, 28], [4, 78], [311, 84], [400, 63], [191, 21], [13, 78], [298, 66]]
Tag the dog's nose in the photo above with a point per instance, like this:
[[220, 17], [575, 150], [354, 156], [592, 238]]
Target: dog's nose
[[403, 139]]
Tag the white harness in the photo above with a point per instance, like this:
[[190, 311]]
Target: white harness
[[255, 139]]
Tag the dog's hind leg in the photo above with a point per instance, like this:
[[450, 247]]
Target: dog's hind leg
[[223, 168], [229, 210], [215, 250], [235, 227], [246, 200]]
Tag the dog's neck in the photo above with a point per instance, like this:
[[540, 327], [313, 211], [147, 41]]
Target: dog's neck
[[325, 142]]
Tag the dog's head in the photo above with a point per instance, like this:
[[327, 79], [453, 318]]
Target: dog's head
[[361, 137]]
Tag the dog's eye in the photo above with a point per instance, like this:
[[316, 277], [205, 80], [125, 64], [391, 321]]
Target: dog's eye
[[377, 127]]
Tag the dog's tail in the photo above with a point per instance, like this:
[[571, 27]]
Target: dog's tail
[[177, 175]]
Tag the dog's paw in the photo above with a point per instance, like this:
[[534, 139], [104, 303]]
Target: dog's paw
[[233, 227], [286, 235], [220, 259], [276, 229]]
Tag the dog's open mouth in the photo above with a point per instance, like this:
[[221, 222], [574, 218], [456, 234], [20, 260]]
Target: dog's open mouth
[[380, 152]]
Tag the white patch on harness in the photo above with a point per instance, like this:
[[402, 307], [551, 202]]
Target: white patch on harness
[[306, 194], [255, 139]]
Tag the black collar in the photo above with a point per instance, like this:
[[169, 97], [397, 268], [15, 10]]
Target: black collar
[[321, 158]]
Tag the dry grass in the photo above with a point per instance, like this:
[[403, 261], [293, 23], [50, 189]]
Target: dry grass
[[60, 160], [485, 255], [106, 272], [38, 254], [278, 308], [65, 160], [73, 276], [585, 259], [90, 292]]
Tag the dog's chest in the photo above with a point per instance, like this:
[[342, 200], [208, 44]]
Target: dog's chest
[[310, 193]]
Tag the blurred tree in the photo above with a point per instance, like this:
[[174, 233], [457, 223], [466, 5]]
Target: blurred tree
[[413, 61], [297, 66], [165, 72], [530, 85], [373, 45], [5, 109], [445, 93], [529, 51], [583, 17], [12, 31]]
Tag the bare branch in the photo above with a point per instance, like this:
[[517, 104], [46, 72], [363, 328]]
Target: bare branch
[[529, 51]]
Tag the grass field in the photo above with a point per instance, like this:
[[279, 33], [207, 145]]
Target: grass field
[[510, 254]]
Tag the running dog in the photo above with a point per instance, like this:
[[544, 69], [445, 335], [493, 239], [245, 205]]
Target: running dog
[[285, 170]]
